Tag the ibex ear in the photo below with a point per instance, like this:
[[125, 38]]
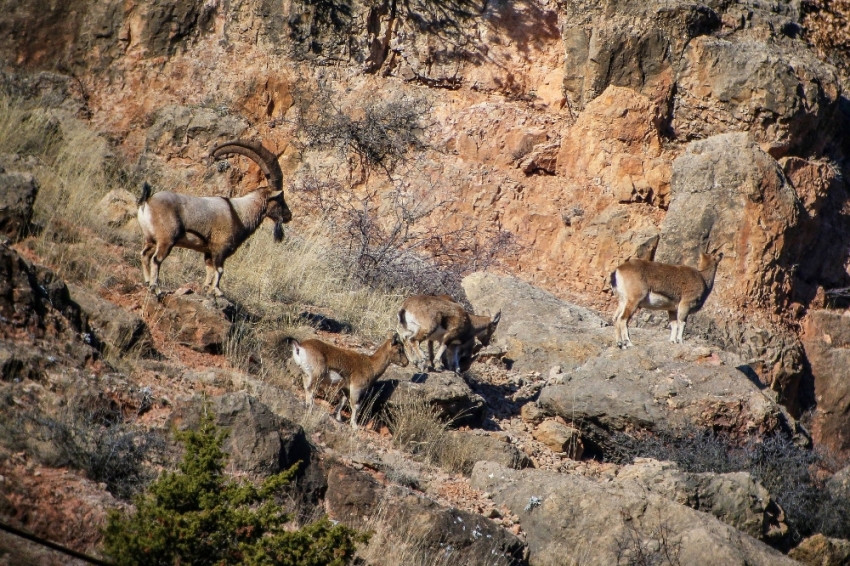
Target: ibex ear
[[395, 338], [276, 194], [496, 318]]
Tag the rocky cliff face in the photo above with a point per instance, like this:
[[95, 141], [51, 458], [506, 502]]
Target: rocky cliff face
[[593, 131]]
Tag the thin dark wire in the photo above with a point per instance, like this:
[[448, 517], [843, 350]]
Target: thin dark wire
[[57, 547]]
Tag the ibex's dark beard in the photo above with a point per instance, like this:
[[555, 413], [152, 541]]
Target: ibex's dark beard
[[278, 232]]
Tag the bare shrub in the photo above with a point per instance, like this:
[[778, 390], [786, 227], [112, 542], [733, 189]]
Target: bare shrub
[[827, 26], [381, 135], [654, 548], [397, 240], [97, 440], [794, 475]]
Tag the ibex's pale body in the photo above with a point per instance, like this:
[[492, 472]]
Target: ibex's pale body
[[353, 372], [440, 320], [677, 289], [213, 226]]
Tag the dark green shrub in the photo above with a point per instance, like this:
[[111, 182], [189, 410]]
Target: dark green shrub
[[197, 516]]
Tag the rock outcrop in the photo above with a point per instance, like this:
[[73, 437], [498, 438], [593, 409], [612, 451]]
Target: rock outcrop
[[200, 322], [652, 385], [17, 196], [356, 499], [568, 517], [826, 336]]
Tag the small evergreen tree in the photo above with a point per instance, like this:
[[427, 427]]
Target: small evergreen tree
[[197, 517]]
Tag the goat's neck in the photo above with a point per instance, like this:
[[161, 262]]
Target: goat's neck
[[478, 322], [251, 208], [708, 274], [380, 360]]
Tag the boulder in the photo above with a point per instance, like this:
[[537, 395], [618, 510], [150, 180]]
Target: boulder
[[537, 329], [730, 196], [117, 210], [200, 322], [818, 550], [446, 391], [258, 441], [34, 301], [17, 196], [572, 518], [826, 338], [114, 327], [482, 446], [654, 384], [734, 498], [560, 438], [357, 500]]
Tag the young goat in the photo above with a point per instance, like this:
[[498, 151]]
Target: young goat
[[442, 320], [214, 226], [324, 363], [677, 289]]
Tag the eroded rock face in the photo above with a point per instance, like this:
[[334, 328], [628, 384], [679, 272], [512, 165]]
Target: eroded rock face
[[734, 498], [17, 195], [34, 301], [113, 327], [259, 441], [569, 517], [826, 337], [355, 498], [199, 322], [445, 391]]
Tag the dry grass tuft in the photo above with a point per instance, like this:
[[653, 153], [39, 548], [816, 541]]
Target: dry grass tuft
[[391, 545], [417, 428]]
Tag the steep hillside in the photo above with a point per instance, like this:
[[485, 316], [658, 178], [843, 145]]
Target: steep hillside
[[422, 142]]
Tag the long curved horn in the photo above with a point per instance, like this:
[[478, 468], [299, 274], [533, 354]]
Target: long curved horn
[[257, 153]]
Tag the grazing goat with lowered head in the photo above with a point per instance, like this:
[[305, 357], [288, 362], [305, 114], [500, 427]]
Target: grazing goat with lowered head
[[677, 289], [214, 226], [440, 319], [355, 372]]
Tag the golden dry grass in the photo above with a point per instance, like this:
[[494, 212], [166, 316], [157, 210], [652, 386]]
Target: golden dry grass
[[75, 166], [417, 428]]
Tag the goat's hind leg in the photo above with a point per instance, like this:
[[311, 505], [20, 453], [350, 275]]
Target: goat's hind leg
[[158, 256], [674, 326], [147, 254]]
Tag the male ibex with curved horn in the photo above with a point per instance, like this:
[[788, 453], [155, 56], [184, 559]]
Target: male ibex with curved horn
[[213, 226]]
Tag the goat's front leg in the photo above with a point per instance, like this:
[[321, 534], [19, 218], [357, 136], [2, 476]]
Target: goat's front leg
[[210, 269], [216, 280], [356, 400]]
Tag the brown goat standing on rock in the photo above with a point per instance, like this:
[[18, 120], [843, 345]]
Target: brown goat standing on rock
[[214, 226], [325, 363], [677, 289], [440, 319]]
